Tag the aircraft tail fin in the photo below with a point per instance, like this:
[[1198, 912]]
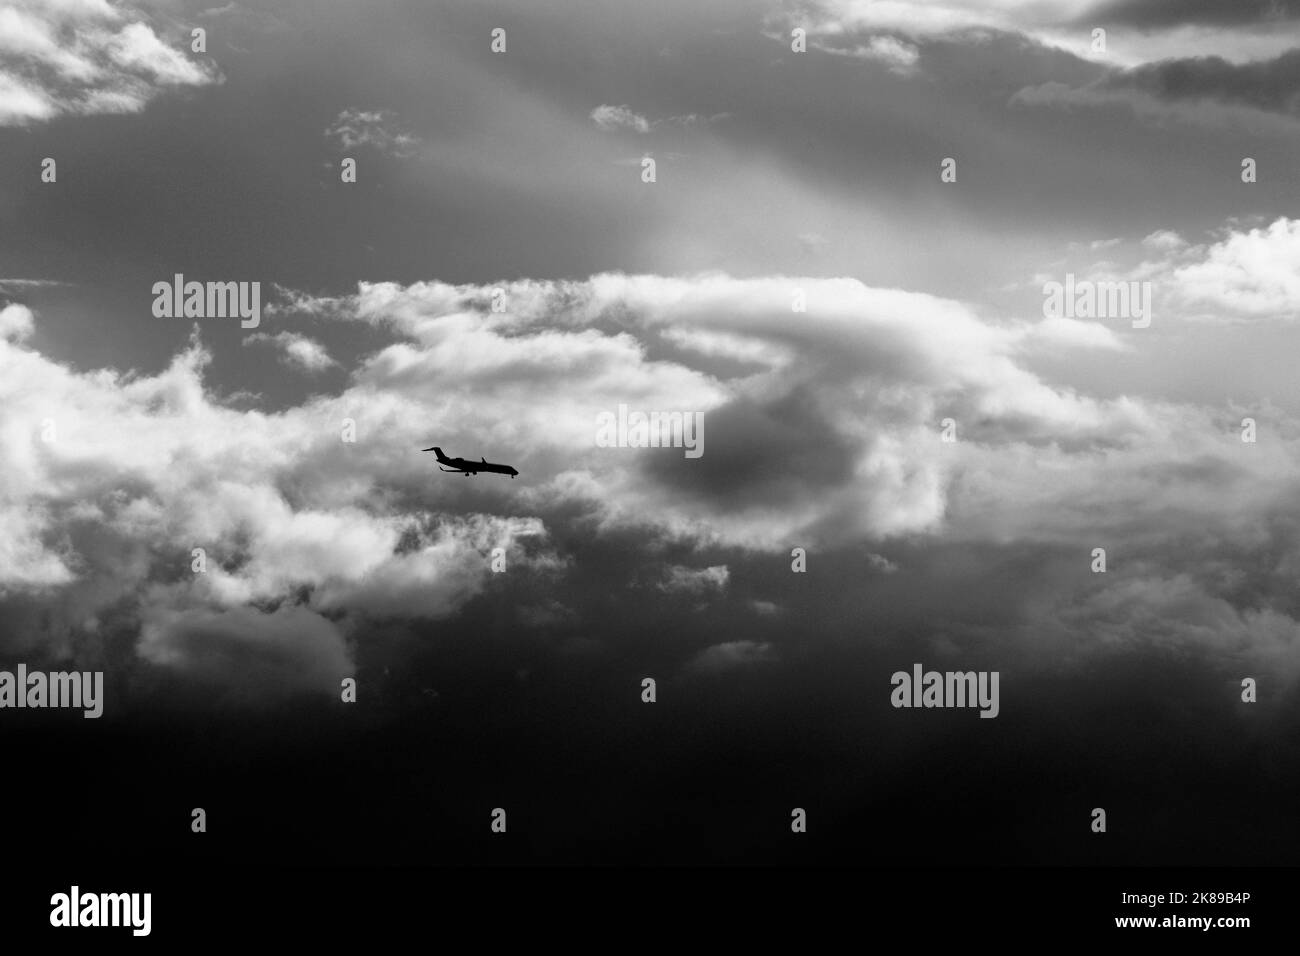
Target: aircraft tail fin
[[437, 451]]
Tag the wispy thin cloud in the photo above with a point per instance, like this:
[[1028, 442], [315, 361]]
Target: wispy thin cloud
[[91, 57], [296, 350], [376, 129], [610, 119]]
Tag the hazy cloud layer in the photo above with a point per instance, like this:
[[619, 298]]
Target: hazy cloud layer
[[1138, 31]]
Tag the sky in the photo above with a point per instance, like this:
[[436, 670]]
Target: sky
[[500, 274]]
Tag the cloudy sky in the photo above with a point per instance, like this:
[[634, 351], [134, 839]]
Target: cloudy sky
[[128, 440]]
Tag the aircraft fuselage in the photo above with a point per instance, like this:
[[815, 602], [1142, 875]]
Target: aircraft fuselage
[[467, 467]]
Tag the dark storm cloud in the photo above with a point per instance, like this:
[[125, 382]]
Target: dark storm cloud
[[761, 453], [1272, 85], [1172, 13]]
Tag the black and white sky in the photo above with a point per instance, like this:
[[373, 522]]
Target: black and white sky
[[776, 171]]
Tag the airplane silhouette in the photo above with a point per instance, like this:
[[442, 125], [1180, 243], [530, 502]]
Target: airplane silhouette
[[469, 467]]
